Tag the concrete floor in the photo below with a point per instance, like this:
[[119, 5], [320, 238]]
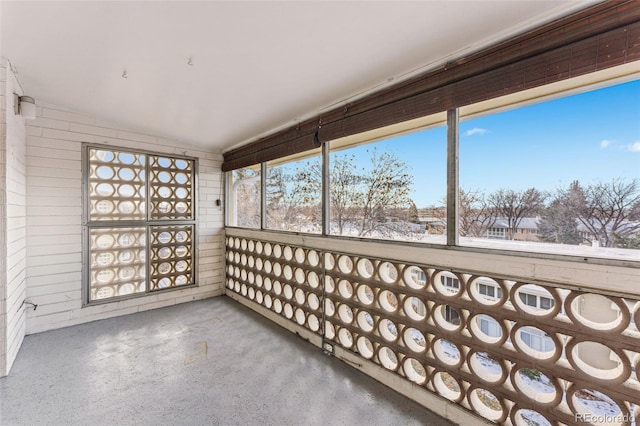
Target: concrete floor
[[202, 363]]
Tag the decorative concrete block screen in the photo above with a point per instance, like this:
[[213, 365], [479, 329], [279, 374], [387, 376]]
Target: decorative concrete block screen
[[140, 222], [513, 352]]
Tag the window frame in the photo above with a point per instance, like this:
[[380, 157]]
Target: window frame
[[490, 324], [497, 291], [297, 161], [147, 223], [451, 314], [548, 92], [526, 297], [550, 301], [451, 282], [545, 342], [232, 206]]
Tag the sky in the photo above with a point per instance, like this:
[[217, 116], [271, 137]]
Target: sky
[[590, 137]]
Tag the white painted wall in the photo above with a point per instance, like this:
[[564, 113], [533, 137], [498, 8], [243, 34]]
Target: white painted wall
[[12, 221], [54, 209]]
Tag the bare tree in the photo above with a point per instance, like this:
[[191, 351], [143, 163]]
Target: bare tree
[[362, 198], [365, 199], [386, 186], [516, 205], [609, 211], [475, 215], [342, 184], [291, 198], [246, 192], [343, 188]]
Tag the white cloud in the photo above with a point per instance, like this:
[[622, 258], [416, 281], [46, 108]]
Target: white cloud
[[633, 147], [605, 143], [475, 131]]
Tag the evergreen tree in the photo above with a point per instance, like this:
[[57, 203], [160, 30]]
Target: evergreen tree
[[559, 224]]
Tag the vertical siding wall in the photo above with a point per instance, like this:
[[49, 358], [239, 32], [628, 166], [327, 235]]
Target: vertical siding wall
[[13, 221], [54, 207], [3, 220]]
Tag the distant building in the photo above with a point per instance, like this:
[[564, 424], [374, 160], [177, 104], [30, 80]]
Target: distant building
[[527, 229], [433, 225]]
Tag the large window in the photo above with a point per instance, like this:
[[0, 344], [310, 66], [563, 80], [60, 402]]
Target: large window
[[391, 189], [244, 187], [560, 176], [140, 222], [294, 195]]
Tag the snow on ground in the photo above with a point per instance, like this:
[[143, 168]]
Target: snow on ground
[[491, 366], [527, 246], [450, 349], [542, 385], [566, 249], [598, 403], [418, 337], [595, 402], [533, 418]]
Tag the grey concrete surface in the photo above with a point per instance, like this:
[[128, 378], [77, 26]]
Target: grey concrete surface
[[212, 362]]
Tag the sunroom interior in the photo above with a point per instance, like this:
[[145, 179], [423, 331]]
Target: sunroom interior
[[440, 197]]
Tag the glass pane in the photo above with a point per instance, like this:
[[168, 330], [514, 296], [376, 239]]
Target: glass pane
[[529, 299], [560, 176], [451, 282], [171, 256], [546, 303], [391, 189], [171, 188], [487, 290], [294, 195], [117, 262], [116, 185], [244, 197]]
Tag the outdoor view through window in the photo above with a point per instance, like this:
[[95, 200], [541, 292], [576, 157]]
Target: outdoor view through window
[[244, 203], [294, 193], [381, 189], [559, 176]]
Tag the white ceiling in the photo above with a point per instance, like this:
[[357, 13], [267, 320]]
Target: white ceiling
[[256, 66]]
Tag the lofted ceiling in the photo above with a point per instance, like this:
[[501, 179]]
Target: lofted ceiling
[[220, 74]]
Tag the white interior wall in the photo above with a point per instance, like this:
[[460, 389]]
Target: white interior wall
[[3, 219], [54, 227], [12, 219]]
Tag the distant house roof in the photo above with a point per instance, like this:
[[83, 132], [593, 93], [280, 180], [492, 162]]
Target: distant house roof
[[625, 226], [432, 220], [525, 223], [533, 223]]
